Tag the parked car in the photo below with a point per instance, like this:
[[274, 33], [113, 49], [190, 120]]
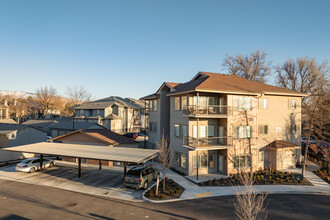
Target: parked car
[[139, 177], [132, 135], [33, 164]]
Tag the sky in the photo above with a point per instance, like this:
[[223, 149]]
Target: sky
[[129, 48]]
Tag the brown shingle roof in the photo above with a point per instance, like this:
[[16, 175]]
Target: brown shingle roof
[[282, 144], [206, 81], [106, 136]]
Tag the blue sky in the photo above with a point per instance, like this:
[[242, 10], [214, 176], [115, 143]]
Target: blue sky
[[128, 48]]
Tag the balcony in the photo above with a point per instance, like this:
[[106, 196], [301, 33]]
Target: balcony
[[207, 111], [207, 142]]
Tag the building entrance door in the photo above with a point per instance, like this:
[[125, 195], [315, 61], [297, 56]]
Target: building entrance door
[[220, 163]]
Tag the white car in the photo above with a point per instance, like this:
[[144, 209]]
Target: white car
[[33, 164]]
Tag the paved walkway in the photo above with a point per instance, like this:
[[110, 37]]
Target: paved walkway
[[192, 191]]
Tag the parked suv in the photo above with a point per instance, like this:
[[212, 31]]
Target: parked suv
[[140, 176]]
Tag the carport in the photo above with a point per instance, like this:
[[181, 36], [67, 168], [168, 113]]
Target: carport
[[83, 151]]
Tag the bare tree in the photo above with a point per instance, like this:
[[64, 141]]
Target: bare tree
[[253, 67], [249, 204], [78, 95], [19, 107], [46, 98], [306, 76], [164, 158]]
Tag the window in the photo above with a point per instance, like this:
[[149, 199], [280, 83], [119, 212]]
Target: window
[[263, 129], [97, 111], [293, 129], [203, 161], [203, 131], [150, 105], [81, 111], [210, 130], [242, 103], [292, 104], [177, 158], [184, 161], [242, 161], [176, 130], [263, 103], [211, 161], [154, 105], [242, 132], [177, 103], [195, 163], [184, 102], [184, 130], [261, 156]]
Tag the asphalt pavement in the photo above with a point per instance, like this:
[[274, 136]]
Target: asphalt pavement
[[28, 201]]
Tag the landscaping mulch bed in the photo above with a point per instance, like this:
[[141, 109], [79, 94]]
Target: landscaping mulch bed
[[323, 174], [261, 177], [172, 191]]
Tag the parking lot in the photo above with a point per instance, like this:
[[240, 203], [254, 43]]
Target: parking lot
[[106, 182]]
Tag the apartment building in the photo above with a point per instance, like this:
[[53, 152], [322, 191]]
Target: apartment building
[[218, 123], [115, 113]]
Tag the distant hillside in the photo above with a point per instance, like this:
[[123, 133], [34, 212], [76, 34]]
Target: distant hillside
[[16, 94]]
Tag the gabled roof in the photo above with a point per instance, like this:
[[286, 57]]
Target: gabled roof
[[110, 101], [6, 128], [77, 125], [170, 85], [224, 83], [8, 121], [106, 136], [39, 123], [282, 144]]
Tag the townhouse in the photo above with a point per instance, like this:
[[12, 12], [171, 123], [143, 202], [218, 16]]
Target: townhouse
[[115, 113], [217, 123]]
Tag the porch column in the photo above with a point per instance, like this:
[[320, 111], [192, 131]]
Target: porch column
[[41, 158], [79, 167], [100, 164]]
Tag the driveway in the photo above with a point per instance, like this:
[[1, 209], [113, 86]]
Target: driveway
[[106, 182]]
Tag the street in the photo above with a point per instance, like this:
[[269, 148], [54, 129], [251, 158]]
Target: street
[[26, 201]]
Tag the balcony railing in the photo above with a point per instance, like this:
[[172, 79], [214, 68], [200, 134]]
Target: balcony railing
[[207, 110], [207, 141]]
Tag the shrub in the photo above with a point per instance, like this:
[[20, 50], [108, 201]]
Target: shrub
[[267, 168], [288, 179], [158, 191], [273, 181], [201, 184], [265, 181], [277, 179], [262, 177], [151, 194], [258, 178], [216, 182], [167, 188], [162, 196], [176, 190], [170, 193], [281, 181], [300, 181], [209, 182]]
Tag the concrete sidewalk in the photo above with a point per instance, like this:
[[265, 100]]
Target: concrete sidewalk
[[193, 191]]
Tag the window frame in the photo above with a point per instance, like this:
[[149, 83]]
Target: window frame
[[176, 128], [261, 154], [291, 130], [183, 160], [182, 134], [247, 161], [292, 107], [177, 108], [237, 100], [263, 129], [184, 107], [237, 136], [262, 107]]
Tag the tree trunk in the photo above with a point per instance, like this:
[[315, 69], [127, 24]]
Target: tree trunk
[[305, 155], [163, 183]]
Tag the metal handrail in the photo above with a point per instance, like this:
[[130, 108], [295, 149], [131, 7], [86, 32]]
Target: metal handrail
[[207, 109], [206, 141]]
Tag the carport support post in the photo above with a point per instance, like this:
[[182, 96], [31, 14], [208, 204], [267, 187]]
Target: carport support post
[[125, 170], [41, 158], [79, 167], [100, 164]]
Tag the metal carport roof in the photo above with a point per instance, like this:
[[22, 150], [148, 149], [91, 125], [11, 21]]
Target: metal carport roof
[[116, 154]]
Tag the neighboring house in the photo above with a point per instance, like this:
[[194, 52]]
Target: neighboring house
[[212, 121], [95, 137], [14, 135], [64, 127], [4, 109], [41, 124], [115, 113]]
